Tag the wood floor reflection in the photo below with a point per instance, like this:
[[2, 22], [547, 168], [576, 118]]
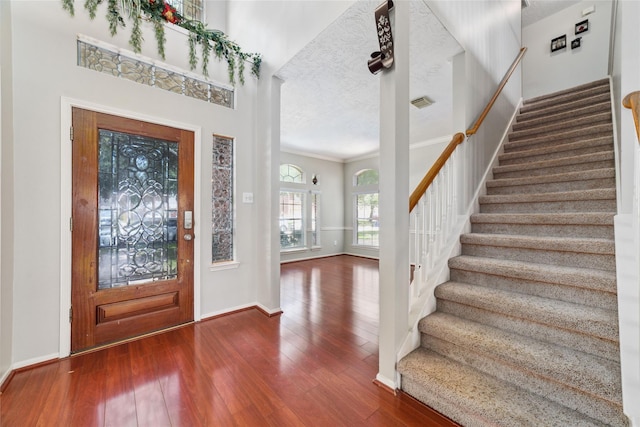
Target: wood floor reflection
[[311, 366]]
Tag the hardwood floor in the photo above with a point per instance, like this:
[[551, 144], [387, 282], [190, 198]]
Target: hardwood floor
[[311, 366]]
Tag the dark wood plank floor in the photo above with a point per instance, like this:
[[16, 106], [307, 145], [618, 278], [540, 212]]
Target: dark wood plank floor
[[311, 366]]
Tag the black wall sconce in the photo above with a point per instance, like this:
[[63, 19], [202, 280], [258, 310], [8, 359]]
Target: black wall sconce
[[384, 57], [315, 180]]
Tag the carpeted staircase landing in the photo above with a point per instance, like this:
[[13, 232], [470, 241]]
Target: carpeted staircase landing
[[526, 331]]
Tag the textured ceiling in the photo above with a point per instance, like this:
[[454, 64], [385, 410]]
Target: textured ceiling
[[330, 101]]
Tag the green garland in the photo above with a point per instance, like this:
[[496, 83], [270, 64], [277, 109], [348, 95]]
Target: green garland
[[158, 12]]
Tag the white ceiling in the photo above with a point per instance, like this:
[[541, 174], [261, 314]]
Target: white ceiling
[[539, 9], [330, 100]]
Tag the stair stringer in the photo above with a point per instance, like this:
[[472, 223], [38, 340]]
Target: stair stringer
[[425, 303]]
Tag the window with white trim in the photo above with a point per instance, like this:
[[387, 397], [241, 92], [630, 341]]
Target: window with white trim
[[366, 221], [315, 218], [292, 224]]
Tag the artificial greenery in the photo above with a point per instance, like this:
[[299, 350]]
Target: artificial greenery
[[158, 12]]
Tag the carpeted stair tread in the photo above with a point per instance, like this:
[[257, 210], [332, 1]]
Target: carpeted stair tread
[[566, 96], [587, 146], [562, 126], [564, 251], [600, 280], [473, 398], [562, 224], [590, 218], [563, 116], [597, 194], [594, 376], [560, 137], [558, 333], [584, 180], [557, 163], [528, 113], [561, 314], [596, 288]]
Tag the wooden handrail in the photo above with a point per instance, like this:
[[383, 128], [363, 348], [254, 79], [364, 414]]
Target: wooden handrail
[[632, 101], [503, 83], [457, 139]]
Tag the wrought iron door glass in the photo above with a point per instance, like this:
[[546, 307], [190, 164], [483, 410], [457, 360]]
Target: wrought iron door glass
[[138, 209]]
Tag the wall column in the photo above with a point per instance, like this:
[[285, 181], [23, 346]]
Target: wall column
[[267, 246], [394, 199]]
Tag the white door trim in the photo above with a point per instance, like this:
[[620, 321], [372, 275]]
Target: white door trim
[[66, 105]]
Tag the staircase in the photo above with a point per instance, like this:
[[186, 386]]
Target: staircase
[[526, 331]]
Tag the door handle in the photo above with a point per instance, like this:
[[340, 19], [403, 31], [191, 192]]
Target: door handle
[[188, 237]]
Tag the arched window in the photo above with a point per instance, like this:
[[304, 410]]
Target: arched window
[[365, 199], [366, 177], [291, 173]]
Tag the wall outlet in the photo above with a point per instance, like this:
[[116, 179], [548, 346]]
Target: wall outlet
[[247, 197], [335, 243]]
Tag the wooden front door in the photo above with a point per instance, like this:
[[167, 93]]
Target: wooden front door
[[132, 228]]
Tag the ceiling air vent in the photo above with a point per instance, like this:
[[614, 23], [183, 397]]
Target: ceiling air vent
[[422, 102]]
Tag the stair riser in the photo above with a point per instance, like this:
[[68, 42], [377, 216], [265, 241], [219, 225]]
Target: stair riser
[[597, 408], [566, 259], [550, 119], [607, 205], [551, 230], [559, 291], [553, 141], [554, 170], [561, 334], [533, 114], [553, 129], [553, 187], [510, 159]]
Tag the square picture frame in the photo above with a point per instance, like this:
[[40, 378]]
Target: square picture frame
[[575, 43], [582, 26], [559, 43]]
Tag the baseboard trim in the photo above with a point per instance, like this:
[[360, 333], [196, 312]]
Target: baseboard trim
[[26, 365], [385, 387]]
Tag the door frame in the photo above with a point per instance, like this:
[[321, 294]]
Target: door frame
[[66, 105]]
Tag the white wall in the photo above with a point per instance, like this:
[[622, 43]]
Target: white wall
[[330, 176], [421, 158], [546, 72], [489, 32], [44, 70], [6, 180]]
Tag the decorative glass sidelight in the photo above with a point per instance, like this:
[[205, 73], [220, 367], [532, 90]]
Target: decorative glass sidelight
[[137, 209], [222, 200]]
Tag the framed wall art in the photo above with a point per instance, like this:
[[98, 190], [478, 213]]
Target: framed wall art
[[582, 26], [559, 43]]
